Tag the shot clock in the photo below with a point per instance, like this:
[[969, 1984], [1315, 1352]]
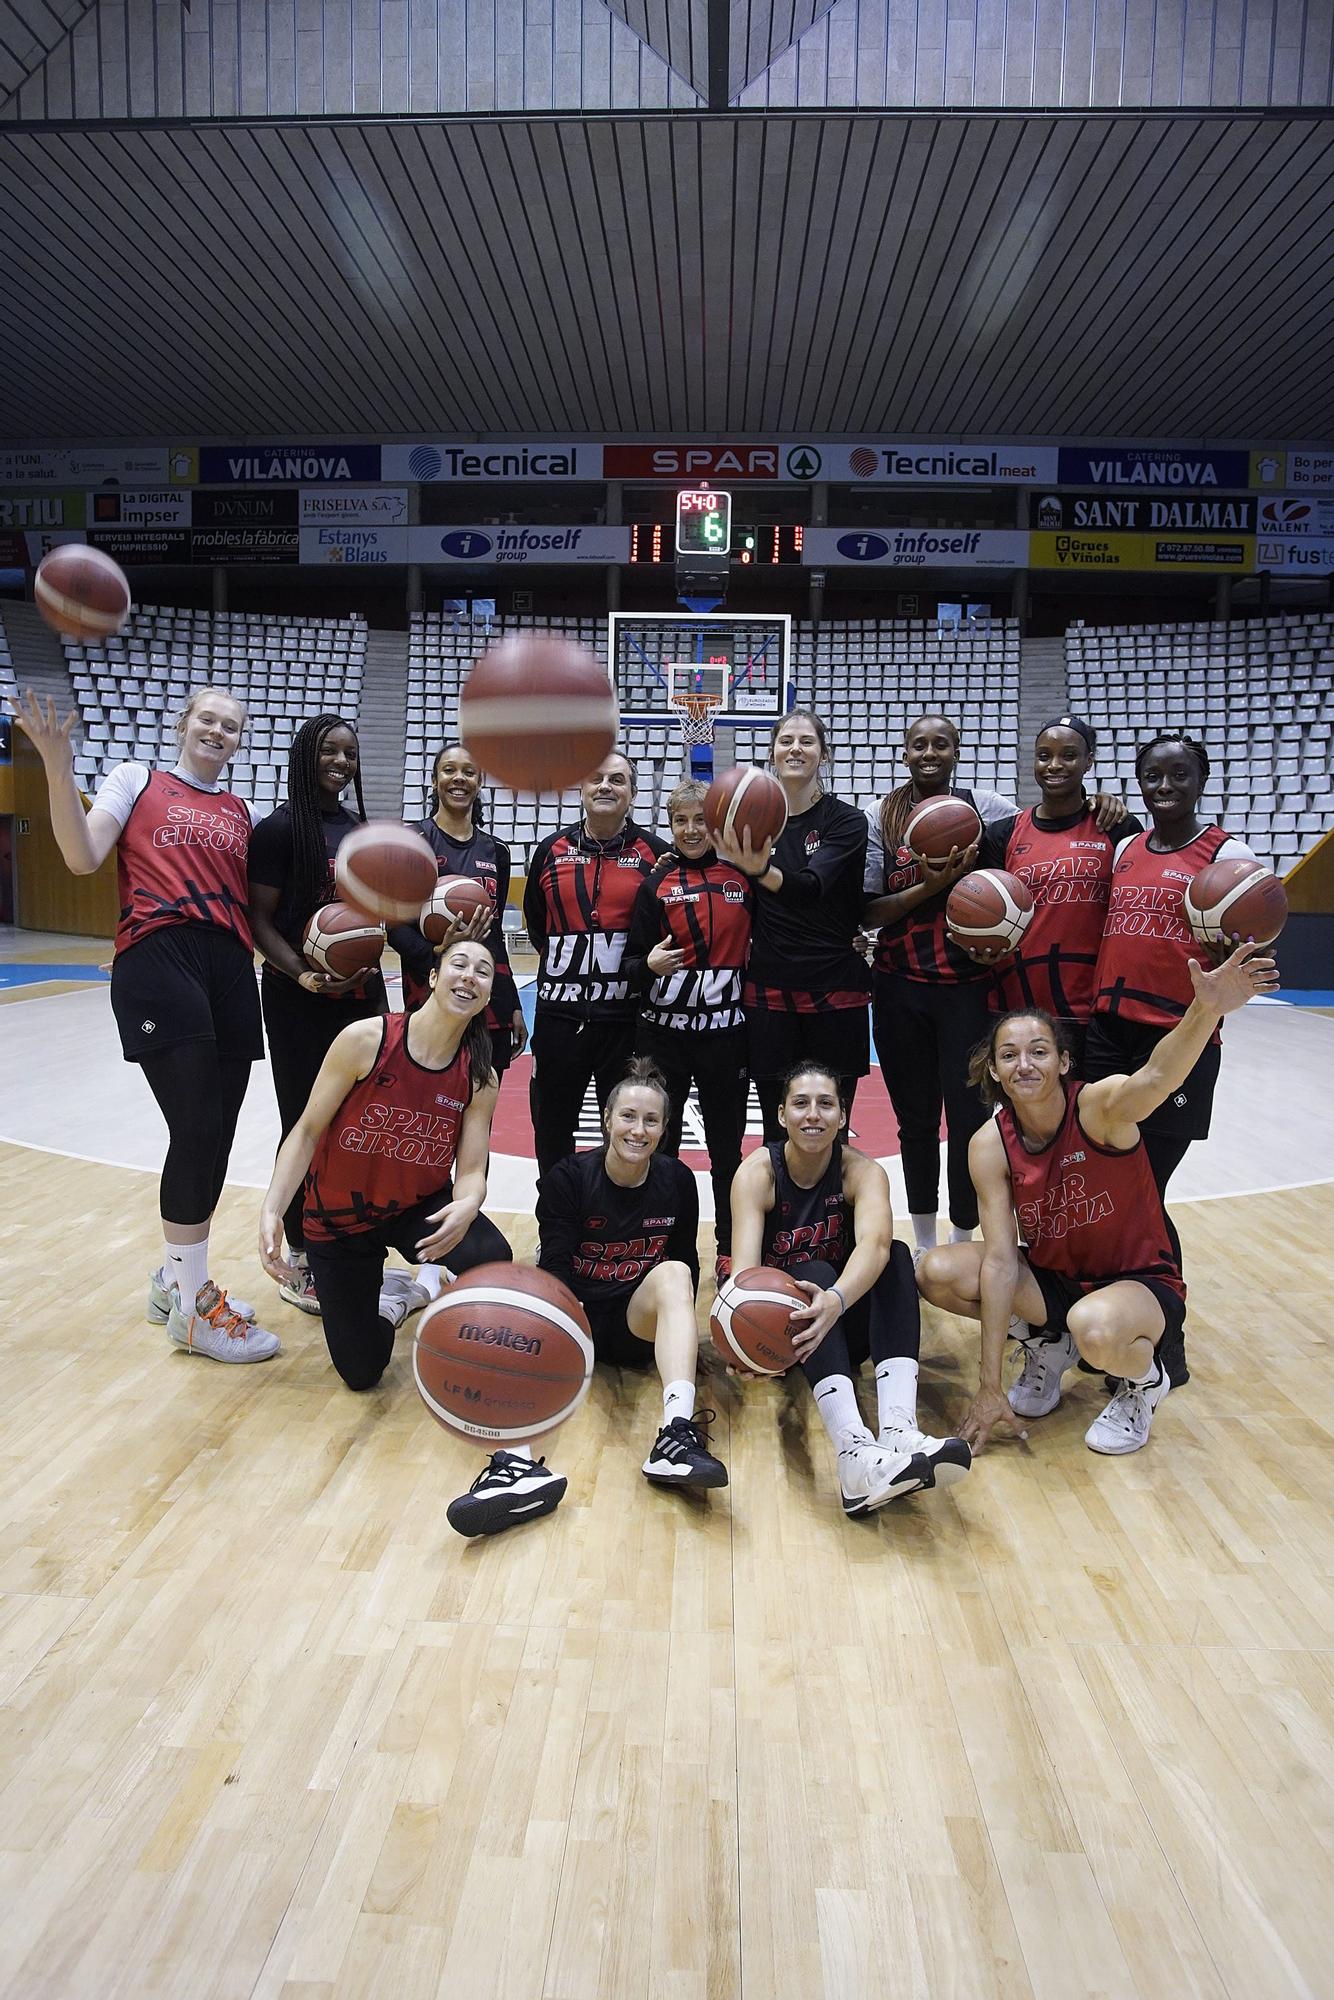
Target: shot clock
[[703, 523]]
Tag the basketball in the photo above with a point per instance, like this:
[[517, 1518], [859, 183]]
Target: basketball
[[749, 1320], [746, 799], [1235, 899], [939, 825], [503, 1355], [453, 896], [339, 940], [989, 910], [538, 713], [81, 592], [387, 870]]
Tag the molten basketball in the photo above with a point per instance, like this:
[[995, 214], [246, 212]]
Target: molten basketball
[[746, 799], [339, 940], [453, 896], [81, 592], [538, 713], [1235, 899], [989, 910], [749, 1321], [939, 825], [504, 1355], [387, 870]]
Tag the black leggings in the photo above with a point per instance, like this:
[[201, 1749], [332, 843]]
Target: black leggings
[[302, 1028], [925, 1032], [1165, 1152], [349, 1270], [717, 1066], [884, 1323], [568, 1054], [200, 1094]]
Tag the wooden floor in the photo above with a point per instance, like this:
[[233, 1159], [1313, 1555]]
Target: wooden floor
[[269, 1728]]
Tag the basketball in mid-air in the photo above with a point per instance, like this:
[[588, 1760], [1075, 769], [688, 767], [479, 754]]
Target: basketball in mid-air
[[1235, 899], [81, 592], [746, 800], [989, 910], [387, 870], [453, 896], [538, 713], [503, 1355], [340, 940], [937, 826], [749, 1319]]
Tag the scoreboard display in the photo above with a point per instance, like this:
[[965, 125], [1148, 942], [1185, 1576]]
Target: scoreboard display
[[764, 545], [703, 523]]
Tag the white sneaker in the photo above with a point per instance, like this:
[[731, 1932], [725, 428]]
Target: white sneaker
[[1124, 1425], [869, 1477], [215, 1328], [400, 1297], [299, 1290], [161, 1295], [1046, 1359], [941, 1461]]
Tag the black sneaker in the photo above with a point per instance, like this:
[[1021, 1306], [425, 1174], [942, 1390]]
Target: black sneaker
[[507, 1491], [680, 1455]]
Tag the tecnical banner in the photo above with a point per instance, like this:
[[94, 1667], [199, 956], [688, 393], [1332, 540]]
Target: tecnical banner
[[435, 460], [1142, 552], [483, 547], [916, 548]]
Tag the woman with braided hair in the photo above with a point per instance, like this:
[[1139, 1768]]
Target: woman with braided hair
[[291, 874]]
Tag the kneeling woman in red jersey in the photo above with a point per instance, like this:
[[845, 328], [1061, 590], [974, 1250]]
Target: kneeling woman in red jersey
[[392, 1147], [1098, 1276], [820, 1210]]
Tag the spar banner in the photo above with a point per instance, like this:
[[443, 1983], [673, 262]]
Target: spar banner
[[352, 543], [489, 546], [1054, 550], [916, 548], [246, 545], [275, 507], [434, 461], [1306, 555], [1193, 513], [1287, 514], [358, 506], [289, 464], [1152, 467], [89, 465]]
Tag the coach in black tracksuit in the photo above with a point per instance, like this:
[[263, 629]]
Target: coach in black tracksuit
[[581, 890]]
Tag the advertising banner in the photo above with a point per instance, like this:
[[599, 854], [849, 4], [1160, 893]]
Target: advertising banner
[[41, 510], [376, 506], [1048, 550], [354, 543], [1151, 466], [705, 464], [246, 545], [1313, 470], [291, 464], [1308, 555], [916, 548], [89, 465], [152, 507], [909, 462], [1287, 515], [276, 508], [131, 546], [489, 546], [1184, 513], [434, 460]]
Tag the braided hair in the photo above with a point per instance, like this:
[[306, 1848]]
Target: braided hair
[[896, 806], [1187, 742], [310, 855], [433, 789]]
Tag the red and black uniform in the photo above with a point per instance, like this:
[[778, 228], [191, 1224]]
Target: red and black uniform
[[807, 986], [577, 907], [302, 1027], [691, 1021], [602, 1240], [482, 858], [181, 859], [384, 1165], [1089, 1216], [810, 1233]]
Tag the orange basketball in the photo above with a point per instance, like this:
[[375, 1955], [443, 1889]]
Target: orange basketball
[[339, 940], [538, 713], [387, 870], [746, 799], [1238, 899], [938, 825], [504, 1355], [453, 896], [990, 909], [749, 1320], [81, 592]]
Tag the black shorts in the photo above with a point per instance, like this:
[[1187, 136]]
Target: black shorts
[[1059, 1293], [187, 983], [840, 1039], [1114, 1046], [613, 1341]]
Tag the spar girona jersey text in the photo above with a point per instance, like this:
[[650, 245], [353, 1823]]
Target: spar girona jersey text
[[577, 906], [1143, 963], [808, 1223], [391, 1143], [1085, 1210], [181, 859], [704, 909], [1068, 867]]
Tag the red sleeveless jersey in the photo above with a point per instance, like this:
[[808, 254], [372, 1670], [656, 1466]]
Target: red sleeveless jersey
[[181, 859], [391, 1143], [1086, 1211], [919, 945], [1146, 941], [1068, 869]]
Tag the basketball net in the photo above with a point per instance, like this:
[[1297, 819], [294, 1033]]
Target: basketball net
[[696, 713]]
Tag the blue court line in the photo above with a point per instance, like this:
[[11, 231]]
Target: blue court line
[[1306, 996], [13, 974]]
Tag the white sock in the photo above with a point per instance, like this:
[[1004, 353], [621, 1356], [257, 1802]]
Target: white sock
[[958, 1235], [428, 1277], [1018, 1329], [924, 1231], [678, 1400], [895, 1388], [521, 1451], [1150, 1377], [186, 1265], [840, 1412]]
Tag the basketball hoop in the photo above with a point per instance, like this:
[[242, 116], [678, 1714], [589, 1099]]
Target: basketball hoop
[[696, 713]]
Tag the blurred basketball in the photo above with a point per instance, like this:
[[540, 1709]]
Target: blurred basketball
[[749, 1321], [989, 910], [81, 592], [1235, 899], [504, 1355], [746, 799], [338, 939], [453, 896], [387, 870], [939, 825], [538, 713]]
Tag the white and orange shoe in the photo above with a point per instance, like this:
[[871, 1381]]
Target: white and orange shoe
[[161, 1296], [217, 1329]]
